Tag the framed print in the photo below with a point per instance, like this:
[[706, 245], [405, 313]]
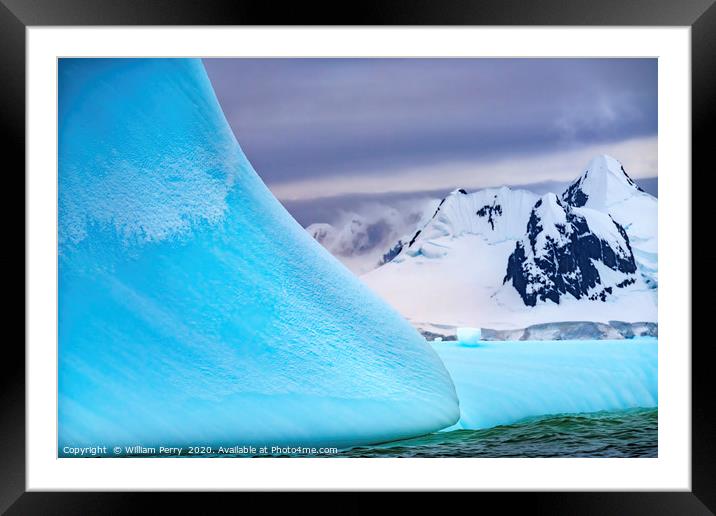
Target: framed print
[[420, 250]]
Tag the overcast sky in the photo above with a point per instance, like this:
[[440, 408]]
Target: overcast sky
[[321, 128]]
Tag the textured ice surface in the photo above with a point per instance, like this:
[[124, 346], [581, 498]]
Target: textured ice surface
[[502, 382], [193, 310]]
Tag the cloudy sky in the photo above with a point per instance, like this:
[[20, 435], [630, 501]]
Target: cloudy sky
[[324, 131]]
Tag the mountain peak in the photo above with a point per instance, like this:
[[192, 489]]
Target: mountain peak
[[604, 182], [458, 191], [604, 162], [604, 165]]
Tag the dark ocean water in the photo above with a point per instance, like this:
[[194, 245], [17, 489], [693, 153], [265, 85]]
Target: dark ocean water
[[627, 433], [624, 433]]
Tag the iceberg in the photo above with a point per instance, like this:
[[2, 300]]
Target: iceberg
[[193, 309], [500, 383]]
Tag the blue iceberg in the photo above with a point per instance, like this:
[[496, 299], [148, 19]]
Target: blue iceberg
[[502, 382], [193, 310]]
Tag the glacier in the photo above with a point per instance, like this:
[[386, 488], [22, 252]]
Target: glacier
[[499, 383], [193, 309]]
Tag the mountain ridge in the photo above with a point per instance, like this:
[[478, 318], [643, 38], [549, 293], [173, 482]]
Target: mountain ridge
[[509, 257]]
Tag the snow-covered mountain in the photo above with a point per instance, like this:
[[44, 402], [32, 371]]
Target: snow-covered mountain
[[605, 186], [507, 258], [579, 252], [495, 213]]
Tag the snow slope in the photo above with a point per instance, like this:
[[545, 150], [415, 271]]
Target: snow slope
[[193, 310], [497, 214]]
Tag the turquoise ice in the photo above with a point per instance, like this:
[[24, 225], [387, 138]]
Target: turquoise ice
[[499, 383], [193, 310]]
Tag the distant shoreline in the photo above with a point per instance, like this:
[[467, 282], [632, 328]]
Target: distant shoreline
[[566, 330]]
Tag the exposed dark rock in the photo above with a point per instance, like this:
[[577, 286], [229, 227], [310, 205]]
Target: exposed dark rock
[[437, 210], [432, 336], [564, 261], [630, 180], [490, 211], [412, 240], [574, 194], [392, 252]]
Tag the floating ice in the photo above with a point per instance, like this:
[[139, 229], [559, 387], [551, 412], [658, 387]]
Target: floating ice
[[502, 382], [193, 310], [469, 335]]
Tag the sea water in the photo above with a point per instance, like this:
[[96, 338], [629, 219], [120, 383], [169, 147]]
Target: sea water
[[620, 433], [626, 433]]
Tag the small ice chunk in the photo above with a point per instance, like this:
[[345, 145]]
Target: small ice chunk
[[469, 335]]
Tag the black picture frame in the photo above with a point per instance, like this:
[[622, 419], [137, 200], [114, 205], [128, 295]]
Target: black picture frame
[[700, 15]]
